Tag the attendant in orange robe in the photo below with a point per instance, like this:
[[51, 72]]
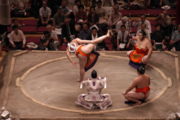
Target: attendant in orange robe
[[142, 50]]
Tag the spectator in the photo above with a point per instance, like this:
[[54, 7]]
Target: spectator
[[103, 25], [13, 6], [168, 3], [45, 14], [86, 3], [94, 3], [5, 40], [93, 17], [141, 83], [173, 25], [77, 29], [65, 9], [81, 14], [156, 3], [35, 6], [147, 24], [100, 10], [165, 21], [161, 20], [20, 9], [3, 28], [115, 16], [144, 28], [84, 33], [171, 3], [94, 98], [46, 42], [68, 29], [73, 18], [59, 18], [122, 38], [123, 21], [175, 39], [17, 38], [76, 6], [108, 3], [68, 11], [147, 3], [169, 30], [166, 43], [136, 4], [94, 33], [54, 5], [54, 36], [158, 37], [70, 2]]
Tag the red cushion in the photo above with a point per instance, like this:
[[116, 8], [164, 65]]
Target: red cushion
[[42, 29], [29, 22], [148, 11], [28, 29], [63, 47]]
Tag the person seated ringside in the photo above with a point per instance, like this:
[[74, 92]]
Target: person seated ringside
[[44, 14], [46, 42], [17, 38], [142, 50]]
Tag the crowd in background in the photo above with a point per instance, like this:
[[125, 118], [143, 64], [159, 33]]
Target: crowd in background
[[31, 7], [89, 19]]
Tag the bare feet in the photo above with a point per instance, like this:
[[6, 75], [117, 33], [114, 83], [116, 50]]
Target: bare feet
[[109, 33], [133, 103], [138, 103]]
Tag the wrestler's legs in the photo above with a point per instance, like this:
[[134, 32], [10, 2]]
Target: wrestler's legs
[[82, 63], [88, 48], [135, 97], [100, 39]]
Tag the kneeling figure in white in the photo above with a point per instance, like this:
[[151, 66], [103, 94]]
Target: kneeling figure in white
[[94, 99]]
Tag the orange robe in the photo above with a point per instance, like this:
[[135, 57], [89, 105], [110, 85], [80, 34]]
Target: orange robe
[[137, 55]]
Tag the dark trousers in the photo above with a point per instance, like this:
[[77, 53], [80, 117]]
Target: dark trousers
[[19, 46], [177, 46], [3, 29]]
